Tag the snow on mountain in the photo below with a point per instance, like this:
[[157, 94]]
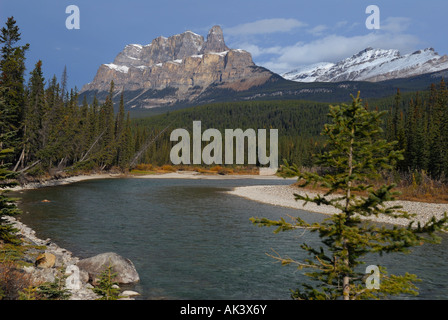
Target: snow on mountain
[[309, 73], [185, 63], [118, 68], [372, 65]]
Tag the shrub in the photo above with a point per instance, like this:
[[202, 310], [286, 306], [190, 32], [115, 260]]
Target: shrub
[[55, 290], [169, 168], [107, 288], [12, 280], [144, 167]]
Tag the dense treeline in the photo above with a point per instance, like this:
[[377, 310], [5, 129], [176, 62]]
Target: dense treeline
[[298, 122], [420, 125]]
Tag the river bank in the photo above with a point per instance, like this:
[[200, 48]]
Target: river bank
[[168, 175], [47, 263], [197, 175], [64, 260], [284, 196], [63, 181]]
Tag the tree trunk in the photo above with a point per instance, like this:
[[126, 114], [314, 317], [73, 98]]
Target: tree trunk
[[20, 161]]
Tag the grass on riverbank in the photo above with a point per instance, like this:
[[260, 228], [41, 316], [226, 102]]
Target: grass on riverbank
[[412, 186], [145, 169]]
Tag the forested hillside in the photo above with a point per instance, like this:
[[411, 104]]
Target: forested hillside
[[298, 122]]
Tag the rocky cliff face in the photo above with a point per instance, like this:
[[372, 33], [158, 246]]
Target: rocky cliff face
[[184, 63]]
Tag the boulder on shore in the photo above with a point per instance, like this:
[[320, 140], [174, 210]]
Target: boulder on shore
[[124, 268], [45, 260]]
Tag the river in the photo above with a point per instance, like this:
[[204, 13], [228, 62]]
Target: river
[[189, 239]]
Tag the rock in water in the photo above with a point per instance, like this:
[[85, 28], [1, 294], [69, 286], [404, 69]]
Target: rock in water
[[124, 268]]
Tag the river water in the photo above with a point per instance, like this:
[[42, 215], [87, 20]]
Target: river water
[[189, 239]]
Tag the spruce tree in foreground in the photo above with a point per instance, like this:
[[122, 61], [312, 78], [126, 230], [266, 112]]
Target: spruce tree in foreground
[[356, 155]]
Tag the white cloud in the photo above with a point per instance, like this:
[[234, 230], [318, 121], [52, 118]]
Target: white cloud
[[264, 26], [318, 30], [257, 51], [396, 24], [341, 24], [319, 43]]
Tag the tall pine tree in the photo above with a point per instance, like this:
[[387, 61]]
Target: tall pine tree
[[12, 68]]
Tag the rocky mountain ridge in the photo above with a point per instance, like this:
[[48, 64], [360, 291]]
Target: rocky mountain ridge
[[186, 70], [372, 65], [182, 66]]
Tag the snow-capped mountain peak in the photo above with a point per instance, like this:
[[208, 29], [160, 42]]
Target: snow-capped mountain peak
[[309, 73], [372, 65]]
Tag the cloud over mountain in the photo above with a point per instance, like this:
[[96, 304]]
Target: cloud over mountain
[[310, 44]]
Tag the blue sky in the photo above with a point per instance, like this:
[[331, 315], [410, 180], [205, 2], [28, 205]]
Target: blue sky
[[281, 34]]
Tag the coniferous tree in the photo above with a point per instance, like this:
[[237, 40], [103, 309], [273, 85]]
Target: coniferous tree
[[107, 286], [12, 68], [54, 125], [119, 133], [396, 119], [356, 153], [84, 125], [416, 148], [64, 79], [35, 123], [436, 135], [443, 103], [128, 144], [94, 120], [107, 124], [7, 178], [12, 94]]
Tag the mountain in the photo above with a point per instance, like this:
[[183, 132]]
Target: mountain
[[177, 69], [372, 65], [186, 70]]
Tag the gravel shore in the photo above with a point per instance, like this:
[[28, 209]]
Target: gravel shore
[[63, 181], [169, 175], [284, 196]]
